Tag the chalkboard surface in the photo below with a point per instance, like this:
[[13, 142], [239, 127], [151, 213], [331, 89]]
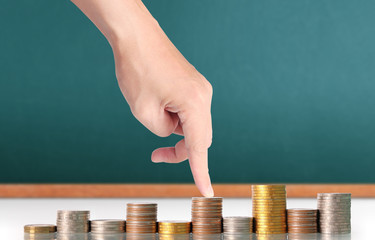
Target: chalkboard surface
[[294, 93]]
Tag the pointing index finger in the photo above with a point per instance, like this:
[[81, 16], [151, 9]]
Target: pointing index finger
[[197, 129]]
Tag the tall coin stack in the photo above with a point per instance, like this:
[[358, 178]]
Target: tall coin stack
[[141, 217], [174, 230], [269, 209], [238, 225], [107, 226], [73, 221], [206, 215], [302, 220], [334, 212]]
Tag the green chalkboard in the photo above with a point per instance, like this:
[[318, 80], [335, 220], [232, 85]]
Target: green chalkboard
[[294, 93]]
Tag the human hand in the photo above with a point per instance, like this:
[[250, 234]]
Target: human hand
[[164, 91], [169, 96]]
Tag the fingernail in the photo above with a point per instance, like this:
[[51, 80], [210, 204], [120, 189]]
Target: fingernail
[[209, 192], [155, 159]]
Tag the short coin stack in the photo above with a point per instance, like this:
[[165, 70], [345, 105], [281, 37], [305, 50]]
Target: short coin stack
[[174, 227], [107, 226], [206, 215], [39, 228], [269, 209], [302, 220], [141, 217], [73, 221], [334, 212], [39, 231], [238, 225], [174, 230]]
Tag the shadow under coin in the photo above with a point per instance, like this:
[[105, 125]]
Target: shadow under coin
[[141, 236], [72, 236], [107, 236], [304, 236], [242, 236], [39, 236], [324, 236], [174, 236], [197, 236], [272, 236]]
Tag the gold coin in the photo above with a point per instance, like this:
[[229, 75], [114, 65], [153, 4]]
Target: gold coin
[[260, 187], [39, 228]]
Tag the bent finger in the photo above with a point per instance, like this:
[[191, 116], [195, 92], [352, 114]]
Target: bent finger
[[175, 154]]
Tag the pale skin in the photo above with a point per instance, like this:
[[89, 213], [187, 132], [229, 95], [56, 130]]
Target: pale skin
[[164, 91]]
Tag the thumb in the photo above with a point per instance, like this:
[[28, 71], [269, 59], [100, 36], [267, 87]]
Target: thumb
[[156, 119]]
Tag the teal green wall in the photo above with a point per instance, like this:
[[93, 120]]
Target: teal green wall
[[294, 93]]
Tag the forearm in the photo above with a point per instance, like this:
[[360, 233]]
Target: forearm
[[116, 19]]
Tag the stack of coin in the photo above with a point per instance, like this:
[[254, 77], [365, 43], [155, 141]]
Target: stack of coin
[[269, 209], [39, 231], [107, 226], [334, 212], [73, 221], [207, 215], [174, 230], [174, 227], [302, 220], [238, 225], [39, 228], [141, 217]]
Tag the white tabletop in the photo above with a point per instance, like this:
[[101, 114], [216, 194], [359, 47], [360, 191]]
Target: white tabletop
[[15, 213]]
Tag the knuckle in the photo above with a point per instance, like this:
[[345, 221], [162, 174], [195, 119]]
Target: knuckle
[[200, 91], [209, 88], [209, 142], [200, 146], [139, 110], [164, 132], [145, 113]]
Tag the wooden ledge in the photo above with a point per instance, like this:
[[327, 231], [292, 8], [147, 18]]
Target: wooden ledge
[[168, 190]]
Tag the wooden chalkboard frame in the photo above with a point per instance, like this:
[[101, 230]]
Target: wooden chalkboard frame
[[168, 190]]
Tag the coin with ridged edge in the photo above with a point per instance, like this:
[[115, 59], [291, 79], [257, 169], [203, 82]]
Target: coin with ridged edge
[[206, 215], [141, 218], [73, 221], [238, 225], [108, 226], [302, 220], [39, 228], [269, 209], [174, 227], [334, 213]]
